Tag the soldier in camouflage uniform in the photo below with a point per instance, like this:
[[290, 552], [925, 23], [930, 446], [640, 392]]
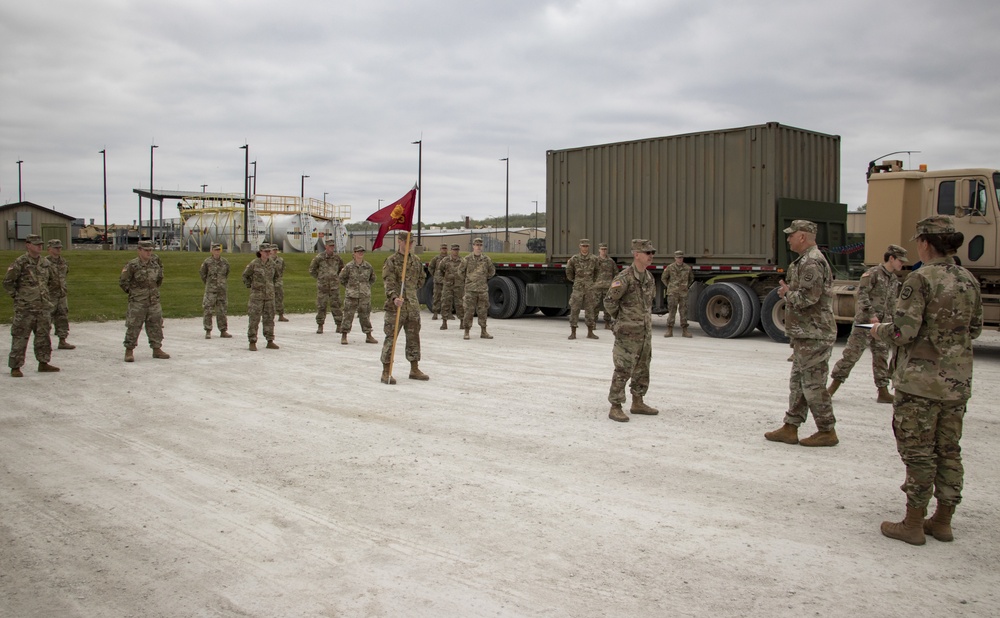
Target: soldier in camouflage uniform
[[475, 271], [606, 272], [401, 300], [28, 281], [629, 300], [358, 277], [432, 268], [677, 279], [259, 277], [452, 292], [876, 298], [938, 314], [581, 270], [812, 330], [141, 279], [214, 273], [279, 283], [57, 293], [325, 269]]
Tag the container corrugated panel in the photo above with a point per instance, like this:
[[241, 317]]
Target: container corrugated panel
[[713, 195]]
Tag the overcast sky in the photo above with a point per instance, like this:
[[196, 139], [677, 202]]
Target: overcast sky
[[338, 91]]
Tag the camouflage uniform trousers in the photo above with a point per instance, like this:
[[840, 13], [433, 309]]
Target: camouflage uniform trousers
[[927, 433], [859, 340], [25, 323], [452, 304], [409, 322], [279, 297], [632, 354], [476, 303], [361, 306], [256, 311], [436, 302], [329, 300], [583, 297], [60, 317], [214, 303], [145, 314], [807, 384], [599, 290], [678, 302]]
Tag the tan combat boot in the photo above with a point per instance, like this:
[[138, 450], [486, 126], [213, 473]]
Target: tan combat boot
[[208, 334], [16, 373], [607, 325], [670, 332], [572, 332], [617, 414], [386, 376], [271, 345], [319, 329], [789, 434], [159, 353], [591, 334], [939, 525], [65, 345], [834, 385], [225, 335], [910, 530], [884, 396], [434, 317], [466, 335], [343, 338], [416, 374], [129, 357], [484, 334], [253, 346], [444, 324], [282, 318], [639, 407], [684, 332], [46, 368], [370, 339], [821, 438]]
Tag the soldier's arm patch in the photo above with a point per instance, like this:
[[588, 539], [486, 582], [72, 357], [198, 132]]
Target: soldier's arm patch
[[808, 277], [616, 283], [906, 292]]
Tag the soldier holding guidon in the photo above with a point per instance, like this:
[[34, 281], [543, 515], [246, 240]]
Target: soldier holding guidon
[[402, 300]]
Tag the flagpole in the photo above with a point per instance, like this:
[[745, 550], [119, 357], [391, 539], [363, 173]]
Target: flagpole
[[399, 309]]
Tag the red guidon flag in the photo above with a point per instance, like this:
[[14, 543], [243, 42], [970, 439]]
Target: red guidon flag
[[396, 216]]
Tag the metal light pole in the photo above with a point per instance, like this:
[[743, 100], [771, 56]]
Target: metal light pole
[[536, 218], [254, 190], [104, 155], [203, 188], [420, 186], [304, 176], [245, 245], [506, 235], [325, 193], [19, 197], [151, 192]]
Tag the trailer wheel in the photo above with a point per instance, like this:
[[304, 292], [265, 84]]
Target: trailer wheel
[[522, 296], [772, 316], [425, 295], [724, 311], [754, 307], [503, 298]]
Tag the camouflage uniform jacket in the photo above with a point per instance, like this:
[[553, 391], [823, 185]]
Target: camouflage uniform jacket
[[279, 268], [214, 273], [259, 277], [938, 314], [57, 285], [28, 281], [357, 279], [606, 271], [433, 264], [677, 278], [392, 272], [325, 269], [142, 281], [475, 271], [630, 300], [809, 300], [877, 293], [448, 269], [582, 269]]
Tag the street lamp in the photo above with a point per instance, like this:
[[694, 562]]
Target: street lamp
[[245, 245], [254, 191], [536, 218], [19, 198], [325, 193], [506, 235], [151, 194], [203, 188], [420, 183], [104, 155]]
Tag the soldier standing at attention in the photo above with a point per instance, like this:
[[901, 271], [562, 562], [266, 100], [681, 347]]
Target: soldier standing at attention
[[451, 288], [581, 270], [606, 271], [404, 299], [28, 281], [877, 293], [358, 277], [214, 273], [630, 302], [812, 331], [259, 277], [279, 283], [475, 271], [938, 314], [325, 269], [677, 279], [141, 279], [57, 293], [432, 267]]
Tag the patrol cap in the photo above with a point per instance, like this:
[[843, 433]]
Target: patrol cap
[[584, 242], [678, 253], [897, 252], [642, 245], [938, 224], [145, 244], [801, 225], [330, 242], [359, 248], [264, 246], [33, 239], [477, 241], [406, 237], [444, 245], [216, 245], [603, 245], [55, 243], [456, 247]]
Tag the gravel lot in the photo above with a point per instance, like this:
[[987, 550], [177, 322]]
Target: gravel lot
[[292, 483]]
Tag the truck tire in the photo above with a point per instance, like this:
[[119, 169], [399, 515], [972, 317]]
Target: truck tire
[[772, 316], [425, 295], [724, 311], [522, 296], [754, 307], [503, 298]]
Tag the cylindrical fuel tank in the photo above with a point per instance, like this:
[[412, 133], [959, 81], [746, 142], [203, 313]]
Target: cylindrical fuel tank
[[291, 232], [202, 228]]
